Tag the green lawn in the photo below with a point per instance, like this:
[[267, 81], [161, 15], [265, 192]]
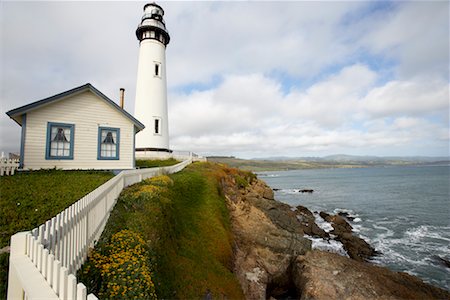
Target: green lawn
[[184, 220], [28, 199]]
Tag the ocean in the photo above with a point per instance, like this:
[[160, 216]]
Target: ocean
[[403, 212]]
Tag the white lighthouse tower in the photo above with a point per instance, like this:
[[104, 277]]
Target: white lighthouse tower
[[151, 88]]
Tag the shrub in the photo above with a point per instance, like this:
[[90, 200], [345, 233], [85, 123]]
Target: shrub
[[150, 163], [123, 268]]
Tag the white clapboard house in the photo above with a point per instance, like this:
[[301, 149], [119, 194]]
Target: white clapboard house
[[77, 129]]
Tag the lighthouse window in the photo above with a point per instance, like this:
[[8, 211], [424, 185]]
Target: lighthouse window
[[158, 69], [108, 143], [157, 126], [59, 141]]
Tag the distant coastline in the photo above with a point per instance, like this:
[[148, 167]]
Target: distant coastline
[[334, 161]]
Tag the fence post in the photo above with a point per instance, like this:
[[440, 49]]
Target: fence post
[[18, 248]]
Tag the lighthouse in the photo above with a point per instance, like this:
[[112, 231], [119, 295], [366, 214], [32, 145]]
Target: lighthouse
[[151, 87]]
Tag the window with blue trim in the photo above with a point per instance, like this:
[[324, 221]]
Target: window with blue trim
[[108, 143], [59, 141]]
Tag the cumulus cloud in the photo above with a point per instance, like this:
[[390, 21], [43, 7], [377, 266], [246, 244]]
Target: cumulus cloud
[[253, 116], [410, 97], [250, 78]]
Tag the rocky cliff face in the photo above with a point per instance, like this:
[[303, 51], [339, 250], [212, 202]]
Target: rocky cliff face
[[274, 258]]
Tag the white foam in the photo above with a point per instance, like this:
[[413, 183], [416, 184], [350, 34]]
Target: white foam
[[324, 225], [328, 245], [289, 191], [357, 228], [424, 231], [356, 220], [382, 236]]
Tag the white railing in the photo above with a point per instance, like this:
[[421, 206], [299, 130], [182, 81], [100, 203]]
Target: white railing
[[8, 166], [176, 154], [43, 262]]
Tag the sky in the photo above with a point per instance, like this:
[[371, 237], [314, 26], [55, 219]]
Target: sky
[[249, 79]]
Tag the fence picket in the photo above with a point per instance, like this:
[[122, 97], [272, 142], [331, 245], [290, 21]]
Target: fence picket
[[8, 166], [81, 292], [56, 275], [40, 248], [50, 262], [44, 263], [63, 277], [71, 287]]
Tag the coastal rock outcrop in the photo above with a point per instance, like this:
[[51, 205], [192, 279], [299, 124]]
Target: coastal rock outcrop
[[324, 275], [308, 223], [274, 260], [267, 239], [356, 247]]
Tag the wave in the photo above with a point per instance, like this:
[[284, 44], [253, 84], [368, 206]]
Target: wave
[[290, 191], [324, 225], [328, 245], [267, 175], [428, 232]]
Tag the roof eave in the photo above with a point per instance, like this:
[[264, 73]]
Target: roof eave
[[14, 113]]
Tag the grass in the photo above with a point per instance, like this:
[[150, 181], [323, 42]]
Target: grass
[[28, 199], [185, 222], [148, 163]]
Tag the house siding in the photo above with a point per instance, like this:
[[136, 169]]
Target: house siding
[[87, 112]]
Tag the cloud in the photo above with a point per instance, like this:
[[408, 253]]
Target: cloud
[[413, 97], [415, 34], [334, 100], [250, 78], [251, 116]]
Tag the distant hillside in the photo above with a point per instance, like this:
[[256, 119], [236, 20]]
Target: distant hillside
[[332, 161]]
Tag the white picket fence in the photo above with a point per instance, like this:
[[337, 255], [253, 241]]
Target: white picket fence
[[8, 166], [43, 262]]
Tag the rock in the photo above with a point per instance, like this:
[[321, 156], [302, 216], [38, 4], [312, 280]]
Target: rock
[[268, 238], [308, 223], [339, 224], [304, 211], [268, 194], [272, 259], [261, 189], [345, 215], [325, 216], [442, 261], [275, 190], [316, 231], [323, 275], [279, 213], [356, 247], [306, 191]]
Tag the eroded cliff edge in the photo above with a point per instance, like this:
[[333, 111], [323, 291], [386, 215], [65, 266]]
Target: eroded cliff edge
[[273, 258]]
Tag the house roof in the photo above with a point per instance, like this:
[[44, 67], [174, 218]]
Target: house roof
[[16, 114]]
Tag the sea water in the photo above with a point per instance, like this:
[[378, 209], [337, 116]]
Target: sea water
[[403, 212]]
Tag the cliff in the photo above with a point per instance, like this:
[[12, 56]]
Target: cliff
[[273, 257]]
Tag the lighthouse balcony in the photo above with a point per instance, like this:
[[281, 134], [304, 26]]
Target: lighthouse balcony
[[153, 23], [153, 16]]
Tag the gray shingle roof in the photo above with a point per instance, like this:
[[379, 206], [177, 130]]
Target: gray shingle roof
[[16, 114]]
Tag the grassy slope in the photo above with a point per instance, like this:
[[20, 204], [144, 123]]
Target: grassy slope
[[272, 165], [187, 227], [28, 199]]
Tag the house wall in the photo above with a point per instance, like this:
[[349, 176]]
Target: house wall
[[87, 112]]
